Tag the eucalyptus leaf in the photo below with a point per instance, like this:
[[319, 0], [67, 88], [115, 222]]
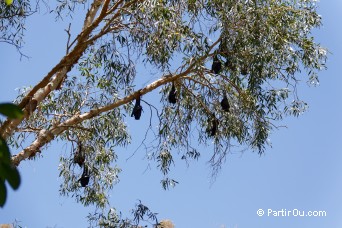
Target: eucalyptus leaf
[[11, 110]]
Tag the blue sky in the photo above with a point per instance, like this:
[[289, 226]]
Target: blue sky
[[302, 170]]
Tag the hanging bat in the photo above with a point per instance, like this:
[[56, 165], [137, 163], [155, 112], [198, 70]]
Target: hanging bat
[[216, 66], [79, 155], [137, 109], [225, 104], [214, 124], [214, 127], [172, 94], [85, 177], [244, 70]]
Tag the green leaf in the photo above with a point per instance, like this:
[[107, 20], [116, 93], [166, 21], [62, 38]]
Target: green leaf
[[10, 110], [12, 175], [3, 174], [3, 193], [5, 155]]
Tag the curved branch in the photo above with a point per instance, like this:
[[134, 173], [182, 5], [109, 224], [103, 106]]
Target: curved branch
[[64, 66], [46, 136]]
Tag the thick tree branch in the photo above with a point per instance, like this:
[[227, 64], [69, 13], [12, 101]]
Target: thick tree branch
[[46, 136], [61, 68], [95, 6]]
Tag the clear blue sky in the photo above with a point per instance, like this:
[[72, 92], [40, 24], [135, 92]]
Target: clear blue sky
[[301, 171]]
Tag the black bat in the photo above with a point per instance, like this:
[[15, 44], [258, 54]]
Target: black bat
[[244, 70], [214, 127], [225, 104], [137, 109], [214, 124], [172, 95], [79, 155], [216, 66], [85, 177]]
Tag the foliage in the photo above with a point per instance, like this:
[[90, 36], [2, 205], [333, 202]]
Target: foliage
[[12, 21], [8, 172], [141, 214], [259, 47]]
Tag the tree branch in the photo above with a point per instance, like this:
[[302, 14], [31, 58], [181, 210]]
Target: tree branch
[[61, 68], [46, 136]]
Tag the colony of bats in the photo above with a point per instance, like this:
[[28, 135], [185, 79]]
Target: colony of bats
[[213, 122]]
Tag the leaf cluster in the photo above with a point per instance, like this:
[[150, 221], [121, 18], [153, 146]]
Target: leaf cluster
[[8, 172], [12, 22]]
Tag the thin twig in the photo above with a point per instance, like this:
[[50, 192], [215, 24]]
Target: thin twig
[[69, 36]]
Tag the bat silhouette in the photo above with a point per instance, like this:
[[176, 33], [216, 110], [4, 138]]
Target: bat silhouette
[[172, 95], [225, 104], [137, 109], [85, 177], [216, 66]]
